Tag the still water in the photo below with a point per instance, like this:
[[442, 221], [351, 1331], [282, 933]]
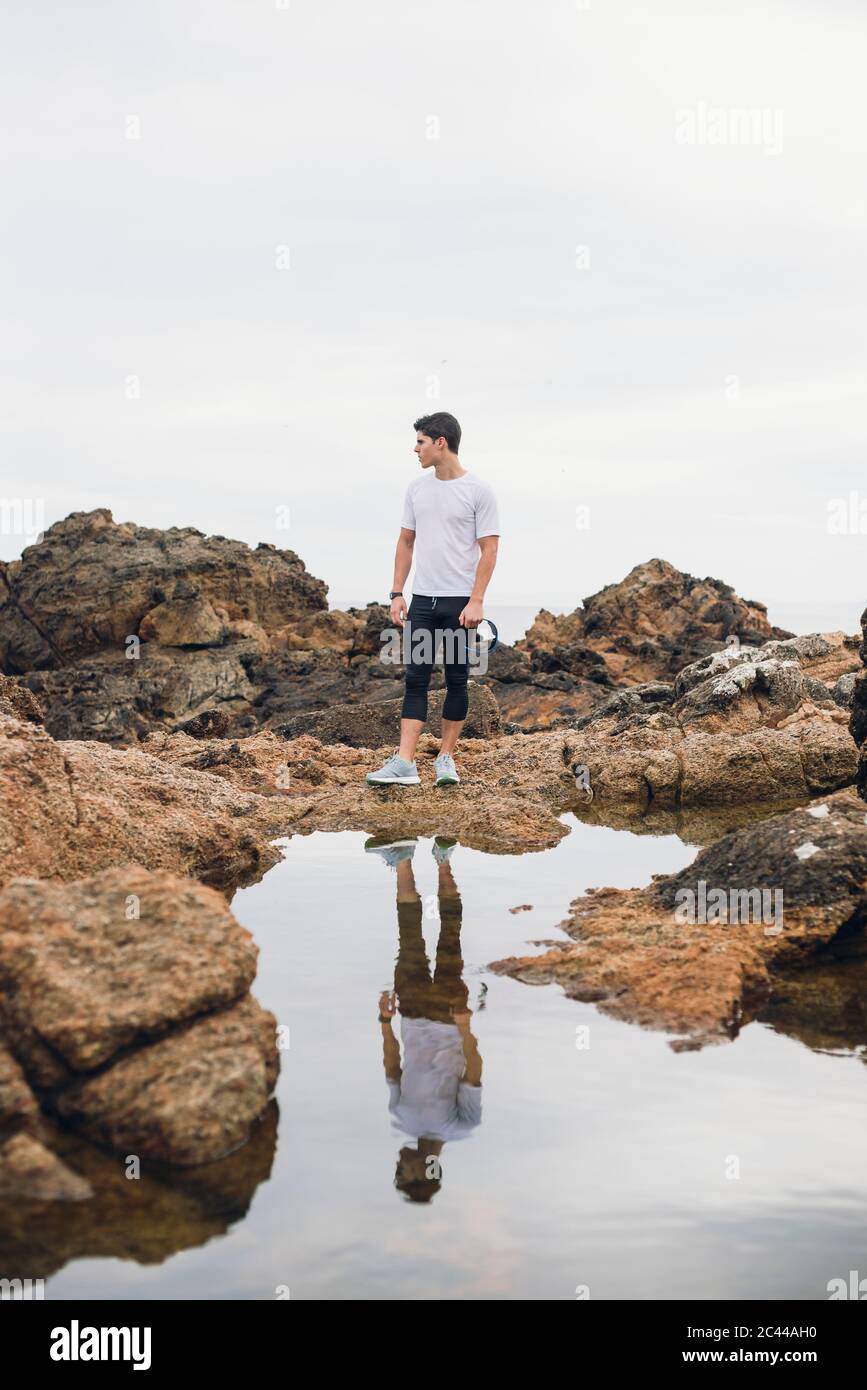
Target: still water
[[606, 1166]]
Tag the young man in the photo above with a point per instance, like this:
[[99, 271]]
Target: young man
[[451, 526]]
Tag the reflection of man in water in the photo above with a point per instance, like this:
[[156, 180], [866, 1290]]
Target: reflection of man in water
[[437, 1094]]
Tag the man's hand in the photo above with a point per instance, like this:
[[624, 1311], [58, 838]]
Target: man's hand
[[398, 610], [387, 1004], [472, 614]]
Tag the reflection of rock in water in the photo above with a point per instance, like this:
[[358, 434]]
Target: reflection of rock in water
[[146, 1219], [699, 825], [825, 1006]]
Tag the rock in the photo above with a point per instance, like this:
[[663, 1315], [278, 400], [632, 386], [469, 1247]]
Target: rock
[[651, 624], [116, 700], [513, 793], [823, 657], [184, 622], [139, 1030], [211, 723], [821, 1001], [631, 956], [19, 703], [346, 633], [121, 572], [843, 689], [371, 725], [115, 959], [249, 633], [754, 730], [70, 809], [191, 1098], [255, 764], [858, 721], [646, 698], [547, 700], [29, 1170], [760, 743], [167, 1209], [18, 1105], [289, 683]]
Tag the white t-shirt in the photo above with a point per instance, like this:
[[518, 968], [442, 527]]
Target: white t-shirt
[[448, 518], [430, 1099]]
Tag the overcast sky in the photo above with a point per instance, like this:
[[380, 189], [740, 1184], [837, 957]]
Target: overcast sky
[[244, 245]]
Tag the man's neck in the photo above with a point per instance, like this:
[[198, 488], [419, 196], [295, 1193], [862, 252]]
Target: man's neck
[[449, 468]]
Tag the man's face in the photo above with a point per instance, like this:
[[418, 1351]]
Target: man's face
[[426, 450]]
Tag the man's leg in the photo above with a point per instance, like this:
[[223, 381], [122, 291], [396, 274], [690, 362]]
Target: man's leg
[[421, 617], [412, 974], [448, 973], [456, 666], [450, 735], [410, 731]]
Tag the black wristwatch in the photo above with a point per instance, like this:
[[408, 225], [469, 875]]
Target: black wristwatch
[[396, 593]]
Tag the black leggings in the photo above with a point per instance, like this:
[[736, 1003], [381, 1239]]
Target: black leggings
[[437, 615], [419, 994]]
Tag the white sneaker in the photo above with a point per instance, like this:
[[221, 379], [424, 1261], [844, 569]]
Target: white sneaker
[[395, 769], [392, 851], [447, 773], [442, 847]]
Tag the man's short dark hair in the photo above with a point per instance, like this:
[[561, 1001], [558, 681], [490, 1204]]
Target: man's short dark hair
[[441, 423]]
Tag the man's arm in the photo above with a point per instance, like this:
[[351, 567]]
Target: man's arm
[[473, 613], [472, 1058], [390, 1053], [390, 1044], [485, 568], [402, 567]]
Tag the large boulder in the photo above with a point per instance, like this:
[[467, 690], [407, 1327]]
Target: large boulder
[[119, 699], [649, 625], [90, 967], [735, 729], [825, 657], [190, 1098], [68, 809], [125, 999], [120, 572]]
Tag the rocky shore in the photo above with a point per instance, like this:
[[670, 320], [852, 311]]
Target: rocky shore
[[196, 700], [169, 625]]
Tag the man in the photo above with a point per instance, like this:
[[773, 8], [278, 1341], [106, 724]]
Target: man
[[451, 526], [435, 1092]]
